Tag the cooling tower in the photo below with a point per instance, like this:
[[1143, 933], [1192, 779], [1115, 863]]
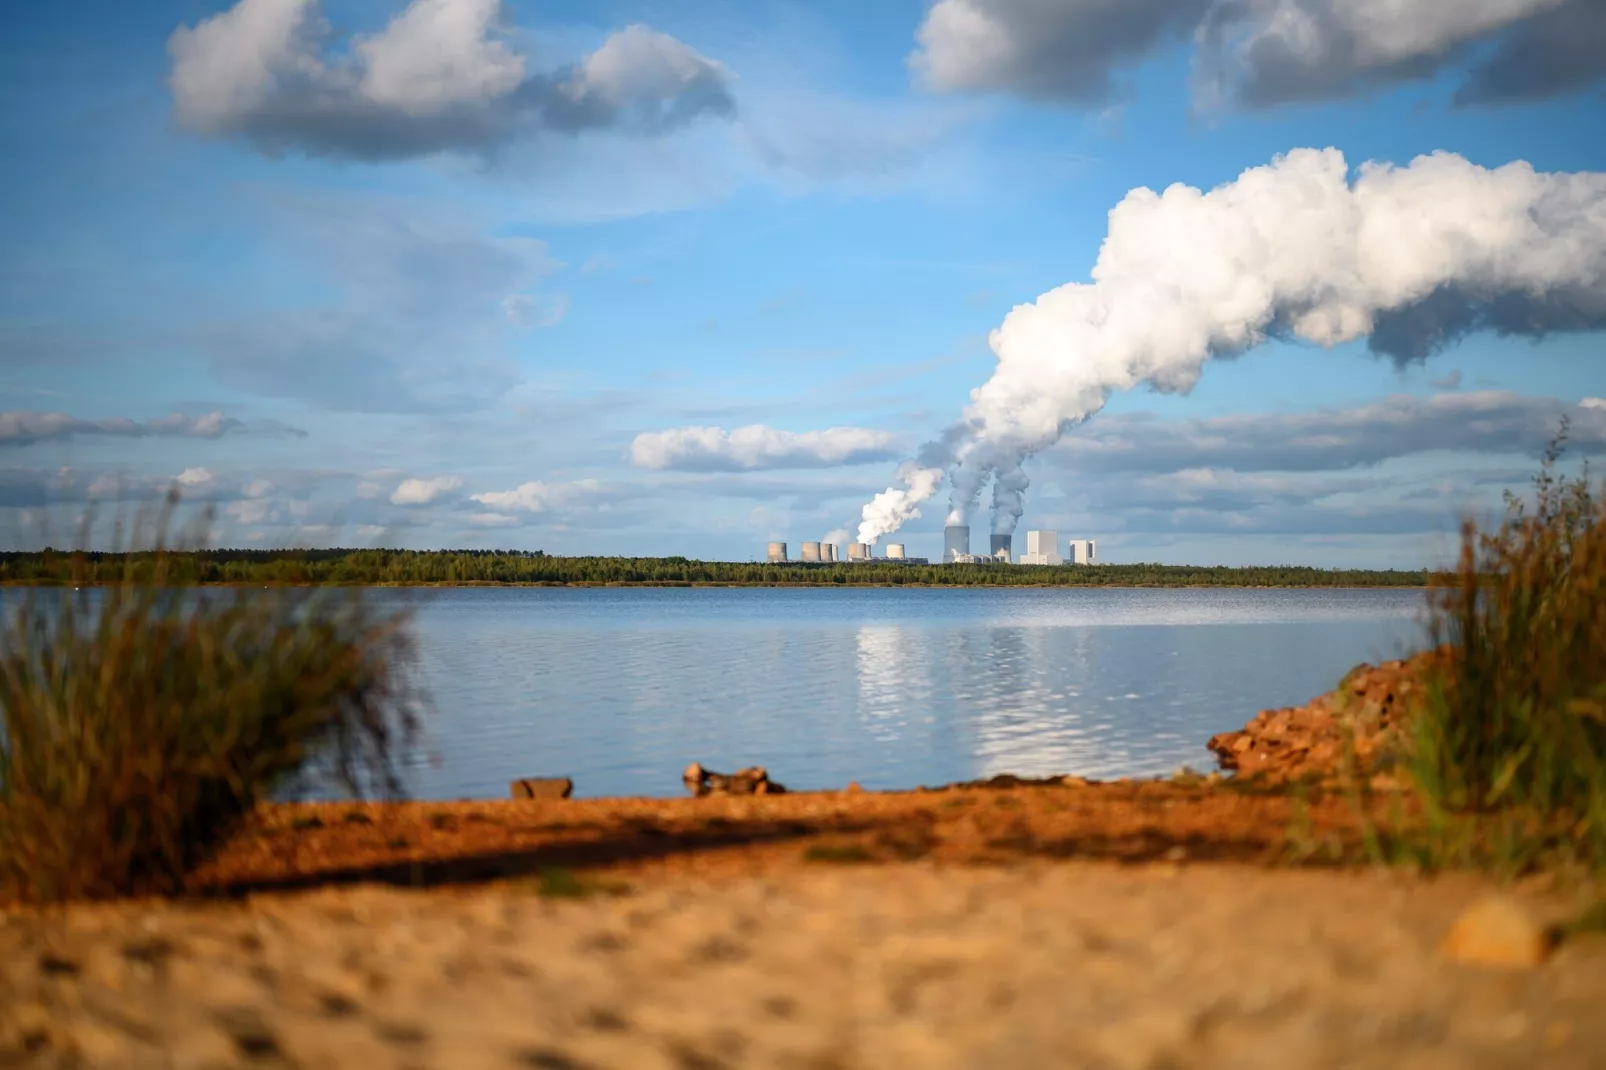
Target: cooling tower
[[858, 551], [955, 541], [827, 551], [811, 551], [894, 551], [777, 553], [1004, 544]]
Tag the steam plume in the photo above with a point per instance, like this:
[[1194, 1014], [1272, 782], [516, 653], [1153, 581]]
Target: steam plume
[[1410, 258], [889, 510]]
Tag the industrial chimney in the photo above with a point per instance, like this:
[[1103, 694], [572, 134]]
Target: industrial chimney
[[955, 542]]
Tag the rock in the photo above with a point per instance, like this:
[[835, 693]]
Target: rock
[[543, 788], [1495, 931], [1364, 717], [754, 780]]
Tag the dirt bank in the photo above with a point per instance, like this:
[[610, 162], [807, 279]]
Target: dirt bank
[[431, 843]]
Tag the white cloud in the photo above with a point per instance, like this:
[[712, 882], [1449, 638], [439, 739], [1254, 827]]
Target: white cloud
[[192, 478], [1265, 52], [251, 511], [1058, 51], [438, 54], [538, 497], [440, 77], [492, 520], [368, 490], [1478, 422], [19, 428], [1593, 403], [703, 449], [424, 491], [105, 487]]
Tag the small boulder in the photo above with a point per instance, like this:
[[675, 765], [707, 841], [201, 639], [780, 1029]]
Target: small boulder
[[1495, 931], [754, 780], [560, 787]]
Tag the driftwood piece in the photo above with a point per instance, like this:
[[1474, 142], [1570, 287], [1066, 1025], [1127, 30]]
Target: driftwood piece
[[552, 787], [754, 780]]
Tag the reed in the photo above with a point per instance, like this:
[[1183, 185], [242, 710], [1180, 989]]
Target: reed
[[1508, 751], [141, 722]]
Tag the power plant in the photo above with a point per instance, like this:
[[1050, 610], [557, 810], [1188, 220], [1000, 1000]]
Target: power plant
[[825, 553], [955, 542], [1042, 548]]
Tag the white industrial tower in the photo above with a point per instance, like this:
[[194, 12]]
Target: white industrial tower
[[1042, 548]]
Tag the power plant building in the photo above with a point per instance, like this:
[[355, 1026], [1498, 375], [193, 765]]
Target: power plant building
[[1083, 552], [1002, 547], [825, 553], [1042, 548], [955, 542]]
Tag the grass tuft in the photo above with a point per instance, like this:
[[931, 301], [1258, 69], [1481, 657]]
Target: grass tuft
[[1508, 751], [141, 722]]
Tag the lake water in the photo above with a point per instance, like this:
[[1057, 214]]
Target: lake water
[[620, 688]]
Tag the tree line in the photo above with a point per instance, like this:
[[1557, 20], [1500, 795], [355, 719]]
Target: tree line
[[464, 567]]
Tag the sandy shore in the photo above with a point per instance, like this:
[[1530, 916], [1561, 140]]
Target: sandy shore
[[1120, 925], [1066, 964]]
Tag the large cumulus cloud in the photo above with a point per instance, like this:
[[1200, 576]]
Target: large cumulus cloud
[[443, 75], [1259, 53]]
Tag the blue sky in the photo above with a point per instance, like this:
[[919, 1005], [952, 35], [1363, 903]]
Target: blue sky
[[344, 312]]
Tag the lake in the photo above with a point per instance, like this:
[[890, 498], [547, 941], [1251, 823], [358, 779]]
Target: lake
[[620, 688]]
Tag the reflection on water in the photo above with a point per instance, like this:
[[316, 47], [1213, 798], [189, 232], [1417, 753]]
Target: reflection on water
[[621, 688]]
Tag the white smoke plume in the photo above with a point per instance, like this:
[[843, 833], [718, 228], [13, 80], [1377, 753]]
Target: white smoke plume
[[889, 510], [1411, 258]]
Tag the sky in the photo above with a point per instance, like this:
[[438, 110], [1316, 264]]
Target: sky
[[656, 278]]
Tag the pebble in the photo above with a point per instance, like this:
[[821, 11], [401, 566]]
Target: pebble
[[1495, 931]]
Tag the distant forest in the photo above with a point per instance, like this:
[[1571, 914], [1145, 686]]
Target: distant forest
[[461, 567]]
